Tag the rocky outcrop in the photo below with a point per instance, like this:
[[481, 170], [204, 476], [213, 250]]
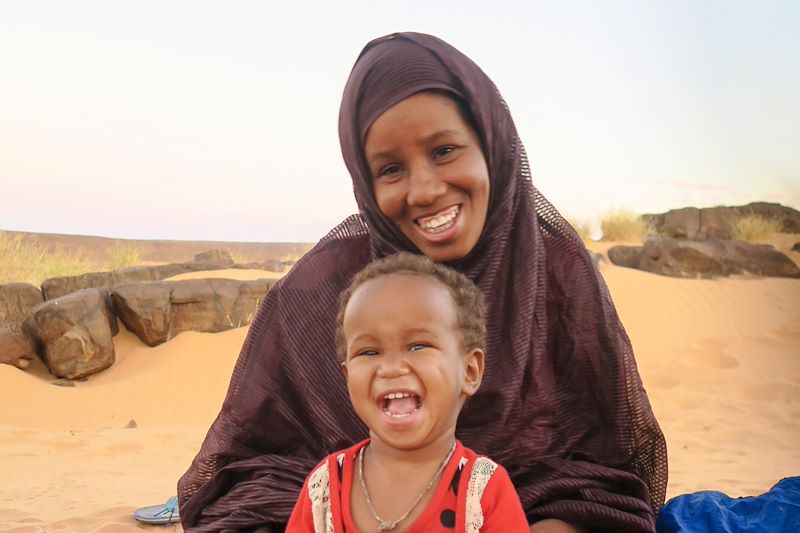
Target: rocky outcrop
[[708, 258], [74, 333], [692, 223], [17, 300], [159, 310], [56, 287], [215, 256], [16, 349]]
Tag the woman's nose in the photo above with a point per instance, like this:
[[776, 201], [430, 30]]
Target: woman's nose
[[424, 186]]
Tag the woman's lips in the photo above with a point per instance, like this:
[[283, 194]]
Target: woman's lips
[[441, 226]]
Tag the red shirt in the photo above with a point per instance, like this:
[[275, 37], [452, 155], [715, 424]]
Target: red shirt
[[474, 494]]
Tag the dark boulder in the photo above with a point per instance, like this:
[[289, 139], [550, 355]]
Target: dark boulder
[[717, 222], [55, 287], [708, 258], [17, 300], [16, 349], [222, 257], [158, 311], [75, 333], [682, 223]]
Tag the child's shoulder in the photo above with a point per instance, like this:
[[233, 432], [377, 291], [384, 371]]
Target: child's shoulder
[[335, 463], [469, 456], [480, 467]]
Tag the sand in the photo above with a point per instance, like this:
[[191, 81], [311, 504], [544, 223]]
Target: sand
[[720, 360]]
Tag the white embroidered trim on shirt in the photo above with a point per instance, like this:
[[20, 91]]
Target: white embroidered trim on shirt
[[478, 479], [319, 492]]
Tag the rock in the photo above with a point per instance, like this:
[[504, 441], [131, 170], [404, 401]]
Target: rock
[[17, 300], [75, 333], [682, 223], [708, 258], [796, 247], [790, 217], [717, 222], [131, 424], [55, 287], [159, 310], [16, 349], [215, 256]]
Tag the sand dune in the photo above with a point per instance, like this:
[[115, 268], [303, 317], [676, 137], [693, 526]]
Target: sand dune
[[720, 360]]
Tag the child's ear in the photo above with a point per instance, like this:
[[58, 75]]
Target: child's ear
[[343, 367], [473, 371]]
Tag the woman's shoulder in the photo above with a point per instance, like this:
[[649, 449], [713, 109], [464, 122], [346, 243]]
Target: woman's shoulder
[[331, 259]]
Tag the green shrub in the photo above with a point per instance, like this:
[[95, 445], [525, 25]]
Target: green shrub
[[123, 255], [622, 226], [752, 228]]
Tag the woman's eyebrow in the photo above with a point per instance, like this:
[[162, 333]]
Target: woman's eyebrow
[[435, 135], [386, 154]]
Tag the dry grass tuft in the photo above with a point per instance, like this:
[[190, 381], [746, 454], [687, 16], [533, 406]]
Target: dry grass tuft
[[123, 255], [754, 228], [24, 261], [623, 226]]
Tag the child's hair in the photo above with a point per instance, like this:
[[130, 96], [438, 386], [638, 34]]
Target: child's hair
[[468, 300]]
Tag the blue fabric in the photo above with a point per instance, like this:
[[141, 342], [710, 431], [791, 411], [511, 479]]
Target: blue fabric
[[709, 511]]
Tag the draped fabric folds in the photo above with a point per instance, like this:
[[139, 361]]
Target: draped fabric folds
[[561, 405]]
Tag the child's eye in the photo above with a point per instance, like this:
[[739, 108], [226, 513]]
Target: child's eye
[[417, 346], [369, 352]]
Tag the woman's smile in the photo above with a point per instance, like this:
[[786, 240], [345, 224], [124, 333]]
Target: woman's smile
[[440, 226]]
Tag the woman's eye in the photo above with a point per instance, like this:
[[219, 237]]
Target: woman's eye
[[389, 171], [443, 151]]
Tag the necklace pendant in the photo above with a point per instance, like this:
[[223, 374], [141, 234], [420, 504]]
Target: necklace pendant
[[386, 525]]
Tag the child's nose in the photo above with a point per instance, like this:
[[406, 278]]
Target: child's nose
[[392, 365]]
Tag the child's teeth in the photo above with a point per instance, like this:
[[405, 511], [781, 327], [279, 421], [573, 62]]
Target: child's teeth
[[397, 395]]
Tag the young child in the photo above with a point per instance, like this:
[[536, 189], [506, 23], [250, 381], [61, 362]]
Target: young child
[[410, 335]]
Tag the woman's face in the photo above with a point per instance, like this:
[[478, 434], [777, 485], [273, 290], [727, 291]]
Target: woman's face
[[429, 175]]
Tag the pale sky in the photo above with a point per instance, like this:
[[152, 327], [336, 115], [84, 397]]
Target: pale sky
[[218, 120]]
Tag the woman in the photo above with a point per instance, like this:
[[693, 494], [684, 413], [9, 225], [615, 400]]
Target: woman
[[438, 169]]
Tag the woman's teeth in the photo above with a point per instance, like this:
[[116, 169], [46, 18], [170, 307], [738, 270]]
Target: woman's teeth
[[440, 222]]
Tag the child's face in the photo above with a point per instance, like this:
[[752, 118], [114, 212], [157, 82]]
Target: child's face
[[406, 370]]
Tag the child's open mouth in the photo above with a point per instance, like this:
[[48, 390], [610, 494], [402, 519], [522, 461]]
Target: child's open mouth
[[400, 404]]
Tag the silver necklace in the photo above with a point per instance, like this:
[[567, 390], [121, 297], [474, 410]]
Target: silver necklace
[[389, 525]]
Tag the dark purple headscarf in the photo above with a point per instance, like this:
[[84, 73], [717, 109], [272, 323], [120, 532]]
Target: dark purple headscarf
[[561, 405]]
